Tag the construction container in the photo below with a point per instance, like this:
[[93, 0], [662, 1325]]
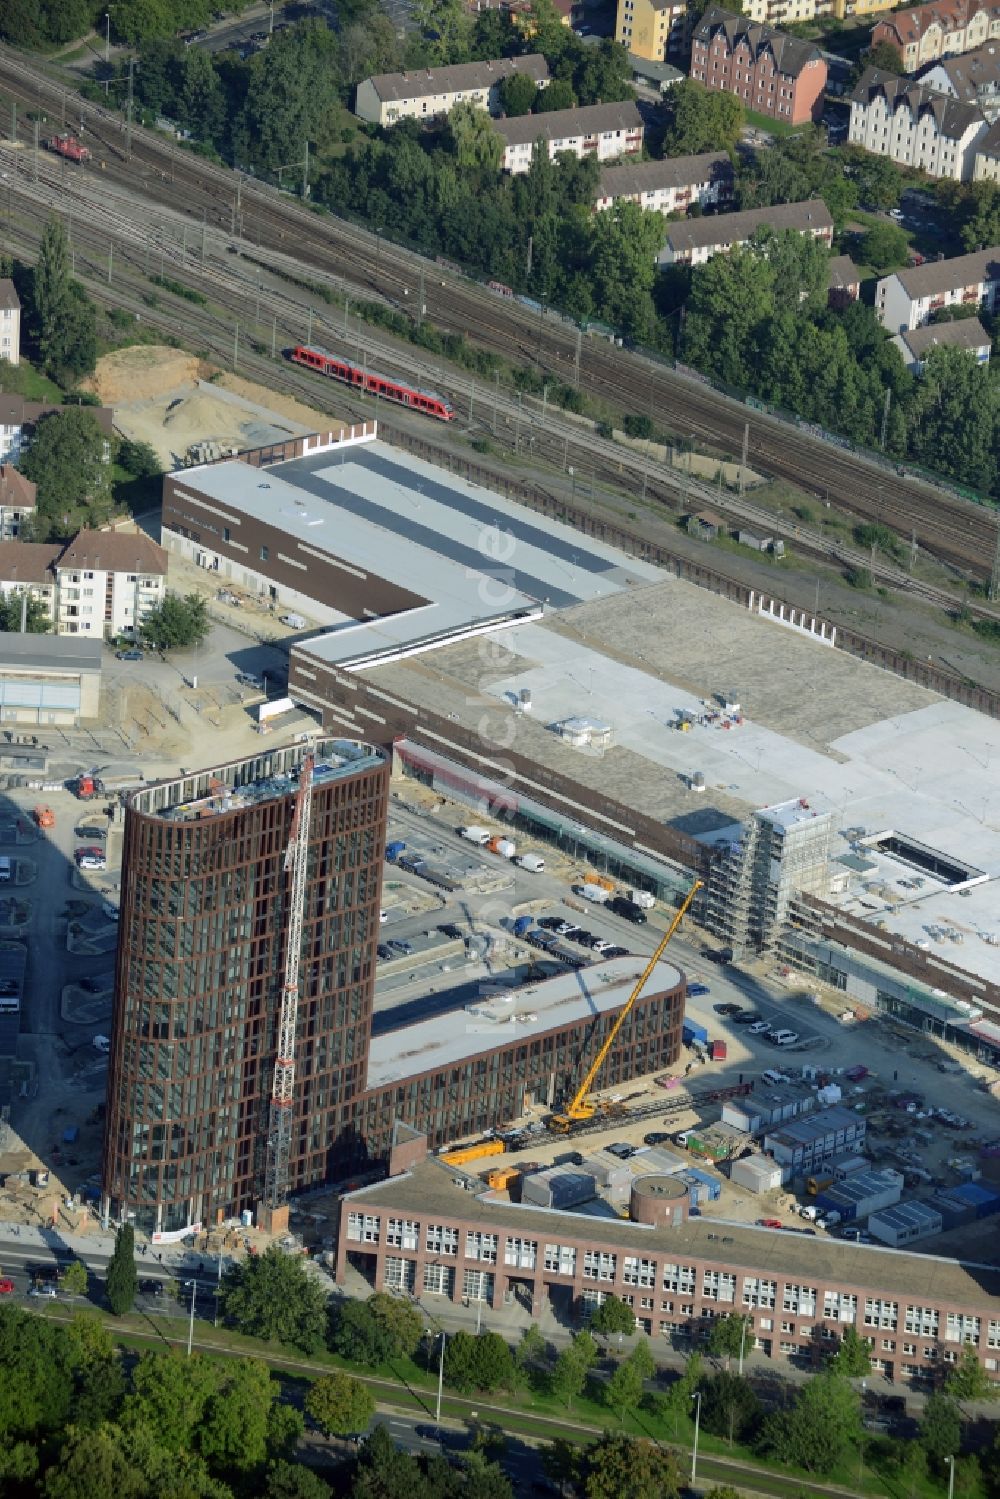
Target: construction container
[[717, 1050], [559, 1187], [757, 1173], [692, 1031], [849, 1165], [607, 1170], [711, 1186], [983, 1200], [502, 1178], [954, 1214], [904, 1223], [860, 1195], [710, 1148]]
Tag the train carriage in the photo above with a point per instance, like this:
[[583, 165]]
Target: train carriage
[[371, 383]]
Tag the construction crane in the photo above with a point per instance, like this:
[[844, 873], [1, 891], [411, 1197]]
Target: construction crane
[[580, 1110], [279, 1138]]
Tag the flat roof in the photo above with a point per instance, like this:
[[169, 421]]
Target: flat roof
[[429, 1188], [804, 1129], [791, 814], [56, 653], [475, 557], [513, 1015]]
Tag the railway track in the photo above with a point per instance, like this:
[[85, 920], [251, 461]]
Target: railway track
[[208, 265], [961, 534]]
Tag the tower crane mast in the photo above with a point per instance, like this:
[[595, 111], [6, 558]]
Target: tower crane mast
[[279, 1140]]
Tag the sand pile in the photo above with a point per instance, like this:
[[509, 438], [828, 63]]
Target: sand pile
[[141, 373]]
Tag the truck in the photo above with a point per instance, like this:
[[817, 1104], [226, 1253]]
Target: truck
[[692, 1032], [69, 146], [717, 1050], [642, 898], [480, 836], [393, 851], [521, 925], [596, 893], [502, 846], [533, 863], [86, 786]]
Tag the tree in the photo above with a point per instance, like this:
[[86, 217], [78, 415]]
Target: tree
[[169, 1396], [730, 1337], [290, 95], [729, 1407], [613, 1316], [940, 1428], [876, 178], [122, 1279], [701, 119], [474, 142], [235, 1433], [400, 1322], [819, 1427], [885, 57], [286, 1480], [478, 1363], [140, 459], [884, 247], [623, 1391], [272, 1296], [74, 1278], [446, 27], [358, 1336], [618, 1464], [340, 1406], [954, 421], [517, 95], [556, 95], [36, 1376], [853, 1358], [37, 620], [568, 1376], [66, 460], [177, 622], [532, 1347], [968, 1380], [642, 1358], [62, 320]]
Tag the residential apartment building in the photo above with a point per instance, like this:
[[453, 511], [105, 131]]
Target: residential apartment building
[[971, 79], [908, 298], [19, 418], [770, 72], [968, 334], [986, 167], [843, 281], [419, 1233], [99, 584], [653, 29], [426, 93], [785, 12], [851, 9], [914, 126], [693, 241], [17, 501], [606, 131], [10, 322], [945, 28], [671, 185]]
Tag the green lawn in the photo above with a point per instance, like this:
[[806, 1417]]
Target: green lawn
[[773, 127], [23, 379]]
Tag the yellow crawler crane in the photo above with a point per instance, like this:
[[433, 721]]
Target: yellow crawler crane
[[582, 1108]]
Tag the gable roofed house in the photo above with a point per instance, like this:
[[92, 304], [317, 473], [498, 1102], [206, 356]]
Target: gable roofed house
[[602, 130], [18, 497], [914, 125], [973, 78], [693, 241], [987, 160], [425, 93], [909, 298], [668, 185], [943, 28], [967, 334], [769, 71]]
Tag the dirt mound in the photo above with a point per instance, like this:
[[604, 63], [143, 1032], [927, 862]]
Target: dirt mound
[[287, 406], [139, 373]]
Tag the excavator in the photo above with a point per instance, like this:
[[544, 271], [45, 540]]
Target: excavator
[[581, 1108]]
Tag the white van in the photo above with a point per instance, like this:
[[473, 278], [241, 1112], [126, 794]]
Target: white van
[[6, 871], [784, 1038], [758, 1028]]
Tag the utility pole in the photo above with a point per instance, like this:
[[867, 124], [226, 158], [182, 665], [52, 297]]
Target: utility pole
[[309, 335], [204, 232], [111, 259], [746, 449], [422, 306], [885, 419], [194, 1292], [496, 399], [576, 362], [236, 345], [35, 122], [305, 173], [128, 116], [517, 423], [274, 335], [995, 575], [13, 121], [531, 241], [913, 549]]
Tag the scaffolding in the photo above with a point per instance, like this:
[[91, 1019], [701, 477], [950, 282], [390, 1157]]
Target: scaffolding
[[784, 851]]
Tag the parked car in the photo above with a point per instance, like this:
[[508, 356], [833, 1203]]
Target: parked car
[[759, 1027], [91, 831], [383, 952], [252, 683], [769, 1223], [130, 655], [152, 1288], [601, 946], [656, 1137], [551, 923], [615, 952], [47, 1291], [697, 989], [566, 929], [6, 1286], [450, 930], [748, 1017], [91, 862], [785, 1038], [89, 851]]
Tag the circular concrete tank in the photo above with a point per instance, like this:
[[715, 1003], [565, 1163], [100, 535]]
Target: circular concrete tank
[[660, 1200]]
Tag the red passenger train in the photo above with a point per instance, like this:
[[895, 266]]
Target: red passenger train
[[372, 383]]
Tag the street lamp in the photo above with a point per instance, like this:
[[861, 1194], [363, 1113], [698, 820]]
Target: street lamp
[[951, 1477], [743, 1339], [697, 1426], [107, 36], [194, 1292], [437, 1413]]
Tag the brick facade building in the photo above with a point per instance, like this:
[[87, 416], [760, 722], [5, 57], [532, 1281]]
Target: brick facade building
[[768, 71]]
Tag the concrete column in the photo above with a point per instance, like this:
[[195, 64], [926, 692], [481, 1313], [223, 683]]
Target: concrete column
[[833, 635], [750, 600], [781, 611]]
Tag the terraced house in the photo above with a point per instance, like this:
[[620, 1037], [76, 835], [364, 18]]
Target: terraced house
[[915, 126], [945, 28], [770, 72]]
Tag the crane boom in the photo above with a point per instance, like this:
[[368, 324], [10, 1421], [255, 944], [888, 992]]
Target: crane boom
[[579, 1109], [279, 1138]]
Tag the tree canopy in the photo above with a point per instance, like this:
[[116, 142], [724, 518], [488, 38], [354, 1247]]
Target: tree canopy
[[340, 1405], [272, 1296], [122, 1281], [18, 602], [821, 1424], [61, 317], [178, 622], [66, 459]]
